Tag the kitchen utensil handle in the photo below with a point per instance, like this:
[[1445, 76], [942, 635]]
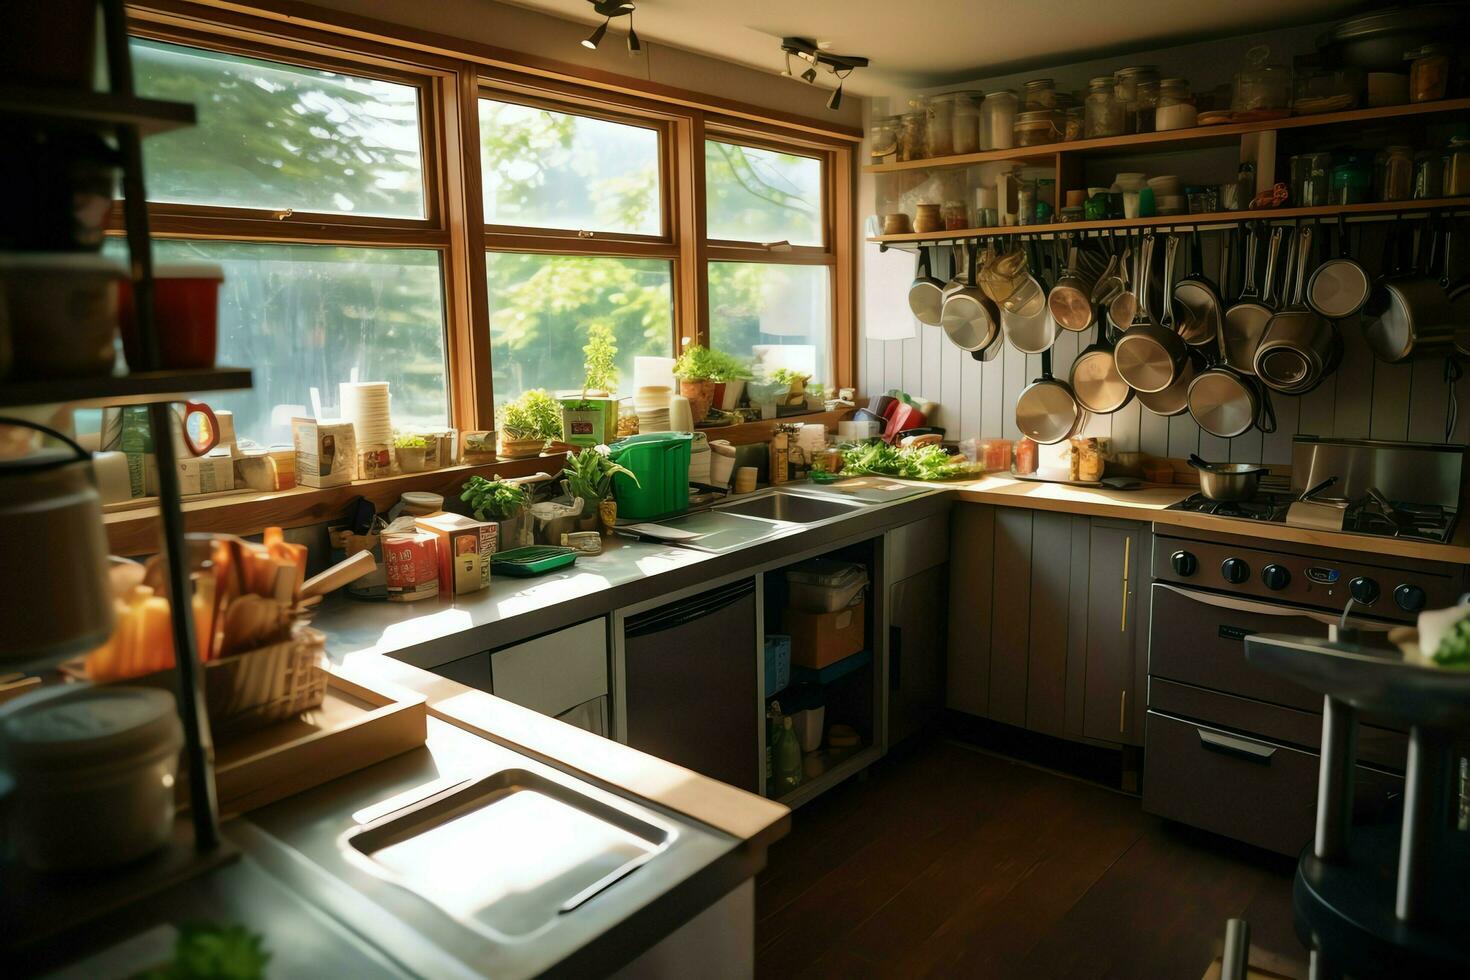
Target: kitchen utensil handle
[[1273, 251], [1232, 745], [199, 408], [1267, 421], [1311, 492], [1171, 251], [1200, 464], [1303, 255], [1248, 285]]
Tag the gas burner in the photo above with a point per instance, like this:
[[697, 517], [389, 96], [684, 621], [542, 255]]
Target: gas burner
[[1426, 522], [1262, 507]]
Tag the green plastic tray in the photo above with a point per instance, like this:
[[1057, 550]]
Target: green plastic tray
[[535, 560]]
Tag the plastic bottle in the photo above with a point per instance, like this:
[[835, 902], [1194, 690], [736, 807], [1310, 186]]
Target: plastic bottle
[[787, 752]]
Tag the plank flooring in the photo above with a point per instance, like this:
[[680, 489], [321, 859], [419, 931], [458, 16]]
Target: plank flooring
[[949, 862]]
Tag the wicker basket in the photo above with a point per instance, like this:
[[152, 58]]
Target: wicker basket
[[268, 684]]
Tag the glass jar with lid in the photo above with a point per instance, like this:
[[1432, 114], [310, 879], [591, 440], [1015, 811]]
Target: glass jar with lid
[[883, 139], [939, 125], [966, 124], [1037, 127], [911, 135], [1352, 181], [1039, 93], [1261, 88], [1428, 174], [1125, 84], [1176, 105], [997, 120], [1429, 72], [1075, 123], [1456, 168], [1393, 173], [1103, 113], [1146, 105]]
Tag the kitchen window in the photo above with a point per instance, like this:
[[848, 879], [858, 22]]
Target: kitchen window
[[770, 276], [309, 185]]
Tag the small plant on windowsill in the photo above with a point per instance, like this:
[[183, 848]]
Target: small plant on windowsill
[[600, 361], [412, 451], [529, 423], [704, 375]]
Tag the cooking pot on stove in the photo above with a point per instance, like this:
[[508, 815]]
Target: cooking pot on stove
[[1227, 481]]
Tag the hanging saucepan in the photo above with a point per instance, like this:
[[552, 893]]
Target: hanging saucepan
[[958, 269], [970, 320], [1110, 282], [1123, 307], [1298, 345], [1221, 400], [1094, 377], [1339, 287], [1149, 356], [1000, 275], [1046, 410], [1070, 300], [1029, 332], [1409, 314], [1197, 305], [1028, 298], [1173, 400], [1248, 316], [926, 294]]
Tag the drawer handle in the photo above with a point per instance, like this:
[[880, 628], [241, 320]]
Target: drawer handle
[[1241, 748]]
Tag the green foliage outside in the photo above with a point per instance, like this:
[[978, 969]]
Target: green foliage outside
[[302, 316]]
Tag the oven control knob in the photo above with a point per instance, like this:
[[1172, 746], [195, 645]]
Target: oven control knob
[[1275, 577], [1235, 570], [1409, 597], [1364, 590], [1184, 563]]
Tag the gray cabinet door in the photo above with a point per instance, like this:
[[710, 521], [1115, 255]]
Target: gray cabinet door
[[1010, 634], [1116, 562], [916, 651], [971, 577]]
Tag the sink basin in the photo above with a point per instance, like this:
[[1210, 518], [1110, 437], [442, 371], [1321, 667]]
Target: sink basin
[[788, 507]]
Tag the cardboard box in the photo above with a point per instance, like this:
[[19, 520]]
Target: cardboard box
[[326, 452], [822, 638], [210, 473], [589, 421], [465, 547]]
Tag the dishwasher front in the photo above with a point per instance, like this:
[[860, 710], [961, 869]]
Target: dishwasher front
[[691, 684]]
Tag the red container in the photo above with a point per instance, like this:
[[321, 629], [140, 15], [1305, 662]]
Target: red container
[[411, 565], [185, 312]]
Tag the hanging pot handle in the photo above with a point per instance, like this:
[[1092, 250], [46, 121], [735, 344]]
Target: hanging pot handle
[[1267, 421], [923, 270], [1046, 365], [49, 432]]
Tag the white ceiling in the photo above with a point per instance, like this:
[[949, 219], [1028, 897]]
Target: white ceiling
[[924, 43]]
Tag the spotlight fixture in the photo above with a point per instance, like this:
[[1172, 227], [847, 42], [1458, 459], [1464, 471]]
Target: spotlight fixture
[[607, 10], [595, 38], [840, 65]]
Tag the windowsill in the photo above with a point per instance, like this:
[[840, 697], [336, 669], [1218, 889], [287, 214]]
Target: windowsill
[[132, 526]]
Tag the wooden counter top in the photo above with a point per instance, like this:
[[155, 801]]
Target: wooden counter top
[[1150, 503]]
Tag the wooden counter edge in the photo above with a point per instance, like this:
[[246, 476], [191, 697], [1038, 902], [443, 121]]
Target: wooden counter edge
[[755, 821]]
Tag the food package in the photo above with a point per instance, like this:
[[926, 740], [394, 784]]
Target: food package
[[411, 565], [465, 546], [326, 452]]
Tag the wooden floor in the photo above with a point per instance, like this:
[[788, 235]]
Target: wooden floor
[[954, 863]]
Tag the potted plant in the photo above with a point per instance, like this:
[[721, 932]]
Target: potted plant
[[503, 503], [591, 417], [703, 376], [528, 424], [411, 450], [589, 475]]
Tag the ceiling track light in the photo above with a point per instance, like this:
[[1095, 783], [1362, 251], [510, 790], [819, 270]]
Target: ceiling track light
[[840, 65], [607, 10], [595, 38], [634, 45]]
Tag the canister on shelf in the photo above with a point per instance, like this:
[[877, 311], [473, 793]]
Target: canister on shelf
[[1429, 72], [1394, 173], [998, 119], [1176, 108], [1103, 114]]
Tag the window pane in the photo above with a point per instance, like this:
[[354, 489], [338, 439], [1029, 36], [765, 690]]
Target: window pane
[[305, 316], [277, 136], [776, 315], [761, 195], [545, 169], [543, 306]]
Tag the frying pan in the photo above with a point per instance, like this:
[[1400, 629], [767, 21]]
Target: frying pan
[[1094, 377], [1112, 282], [1245, 320], [1174, 399], [1046, 410], [926, 294], [1034, 332], [1149, 356], [1297, 346], [1409, 314], [1339, 287], [1124, 306], [1198, 308], [1070, 300], [1221, 400], [970, 320]]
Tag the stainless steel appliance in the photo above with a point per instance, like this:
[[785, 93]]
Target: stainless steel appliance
[[1232, 749]]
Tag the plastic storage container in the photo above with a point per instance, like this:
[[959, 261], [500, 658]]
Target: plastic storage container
[[825, 585], [94, 770], [660, 461], [778, 663]]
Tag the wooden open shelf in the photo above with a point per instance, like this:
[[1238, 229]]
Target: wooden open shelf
[[1176, 139], [97, 110], [137, 388], [1217, 219]]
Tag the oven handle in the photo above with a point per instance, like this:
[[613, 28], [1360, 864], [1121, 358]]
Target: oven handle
[[1241, 748], [1267, 609]]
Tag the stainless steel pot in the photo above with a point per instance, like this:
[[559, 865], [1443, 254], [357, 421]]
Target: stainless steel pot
[[1095, 380], [1046, 410], [1227, 481], [1149, 355], [1198, 307], [1340, 286], [1409, 314], [1070, 300], [926, 293], [970, 320], [1297, 347], [1250, 313], [1028, 325]]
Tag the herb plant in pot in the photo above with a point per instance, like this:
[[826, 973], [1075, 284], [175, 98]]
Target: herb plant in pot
[[504, 503], [591, 417], [527, 424], [704, 375], [589, 475], [411, 450]]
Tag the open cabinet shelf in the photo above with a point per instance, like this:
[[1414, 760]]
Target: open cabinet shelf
[[1174, 139], [137, 388]]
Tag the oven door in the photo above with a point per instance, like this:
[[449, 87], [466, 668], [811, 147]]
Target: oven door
[[1198, 638]]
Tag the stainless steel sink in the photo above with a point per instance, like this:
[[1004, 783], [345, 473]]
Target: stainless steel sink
[[788, 508]]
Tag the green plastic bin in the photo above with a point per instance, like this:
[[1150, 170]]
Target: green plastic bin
[[660, 460]]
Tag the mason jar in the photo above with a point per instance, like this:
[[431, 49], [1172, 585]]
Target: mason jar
[[1176, 106], [998, 120], [1103, 116], [1039, 93]]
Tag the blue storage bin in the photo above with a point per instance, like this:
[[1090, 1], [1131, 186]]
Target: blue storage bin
[[778, 663]]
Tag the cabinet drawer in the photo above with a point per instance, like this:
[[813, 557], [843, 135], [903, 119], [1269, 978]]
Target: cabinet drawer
[[918, 546], [1249, 789], [555, 672], [1199, 639]]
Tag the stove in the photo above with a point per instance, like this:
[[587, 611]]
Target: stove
[[1421, 522]]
